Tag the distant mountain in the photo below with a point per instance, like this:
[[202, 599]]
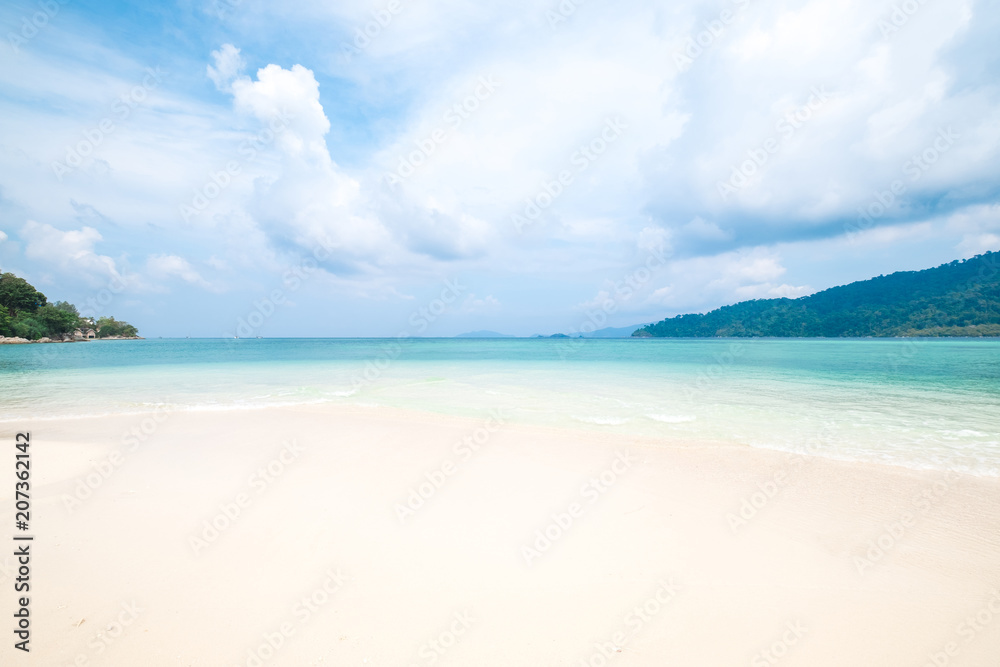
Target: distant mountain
[[613, 332], [961, 298], [607, 332], [484, 334]]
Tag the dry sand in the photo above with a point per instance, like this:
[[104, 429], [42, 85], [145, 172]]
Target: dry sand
[[654, 568]]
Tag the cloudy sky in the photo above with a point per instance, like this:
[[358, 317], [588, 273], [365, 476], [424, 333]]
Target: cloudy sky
[[358, 168]]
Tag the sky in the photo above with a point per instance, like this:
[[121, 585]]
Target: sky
[[353, 168]]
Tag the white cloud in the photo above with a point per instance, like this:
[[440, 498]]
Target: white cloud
[[699, 228], [163, 267], [654, 239], [979, 227], [316, 180], [71, 252], [487, 304], [722, 278], [287, 100], [229, 64], [771, 291]]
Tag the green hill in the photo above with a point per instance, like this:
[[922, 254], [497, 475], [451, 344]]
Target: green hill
[[25, 313], [961, 298]]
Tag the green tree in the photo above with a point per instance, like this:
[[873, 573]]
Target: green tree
[[109, 326], [66, 306], [26, 326], [961, 298], [6, 323], [17, 294], [56, 320]]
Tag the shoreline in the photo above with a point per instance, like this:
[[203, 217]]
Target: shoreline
[[578, 429], [15, 340], [239, 516]]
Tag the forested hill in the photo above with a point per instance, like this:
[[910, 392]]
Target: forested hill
[[961, 298]]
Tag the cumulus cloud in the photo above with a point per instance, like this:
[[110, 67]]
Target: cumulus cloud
[[831, 123], [807, 111], [310, 205], [737, 275], [71, 252], [287, 100]]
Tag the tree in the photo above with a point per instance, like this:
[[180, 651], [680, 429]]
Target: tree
[[66, 306], [29, 327], [109, 326], [17, 294], [25, 312], [954, 299], [57, 320]]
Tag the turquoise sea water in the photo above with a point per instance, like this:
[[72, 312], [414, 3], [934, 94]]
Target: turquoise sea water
[[917, 403]]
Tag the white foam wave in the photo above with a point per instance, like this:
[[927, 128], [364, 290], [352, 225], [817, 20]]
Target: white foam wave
[[672, 419]]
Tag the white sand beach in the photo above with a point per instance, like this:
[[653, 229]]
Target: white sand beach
[[312, 561]]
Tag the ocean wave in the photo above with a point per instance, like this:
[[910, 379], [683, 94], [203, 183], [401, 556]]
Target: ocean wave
[[672, 419]]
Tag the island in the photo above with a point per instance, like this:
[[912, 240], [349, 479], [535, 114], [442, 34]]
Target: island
[[960, 298], [26, 316]]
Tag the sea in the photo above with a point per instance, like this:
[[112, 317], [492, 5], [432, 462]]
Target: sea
[[918, 403]]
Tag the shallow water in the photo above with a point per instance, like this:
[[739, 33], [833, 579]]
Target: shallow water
[[918, 403]]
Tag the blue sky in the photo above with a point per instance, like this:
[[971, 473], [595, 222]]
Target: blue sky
[[384, 168]]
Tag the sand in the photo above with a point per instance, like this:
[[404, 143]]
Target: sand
[[530, 546]]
